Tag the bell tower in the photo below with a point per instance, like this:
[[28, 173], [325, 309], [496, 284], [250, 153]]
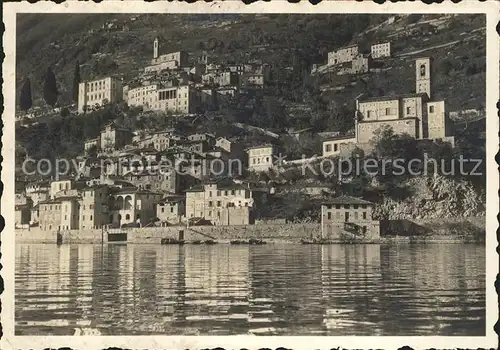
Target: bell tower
[[423, 75], [156, 47]]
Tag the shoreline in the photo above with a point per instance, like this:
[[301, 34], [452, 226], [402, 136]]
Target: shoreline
[[450, 230], [278, 241]]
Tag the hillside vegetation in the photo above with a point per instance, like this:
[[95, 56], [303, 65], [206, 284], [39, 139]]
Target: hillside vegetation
[[121, 45]]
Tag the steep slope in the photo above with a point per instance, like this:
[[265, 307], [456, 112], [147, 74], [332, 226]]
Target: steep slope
[[122, 44]]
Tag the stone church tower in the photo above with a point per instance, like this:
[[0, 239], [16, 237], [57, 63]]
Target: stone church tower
[[156, 48], [423, 75]]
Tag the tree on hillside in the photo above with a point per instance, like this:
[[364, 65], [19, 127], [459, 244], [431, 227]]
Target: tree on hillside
[[76, 82], [50, 92], [25, 100]]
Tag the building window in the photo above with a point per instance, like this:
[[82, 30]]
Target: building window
[[90, 206], [363, 206], [364, 215], [422, 70], [127, 217], [162, 210], [210, 193], [210, 213], [90, 217], [171, 209], [369, 114], [218, 203], [328, 148], [356, 215], [329, 215], [347, 206], [335, 147], [431, 109], [83, 217], [387, 111], [337, 206], [210, 203], [408, 110], [232, 193], [355, 206]]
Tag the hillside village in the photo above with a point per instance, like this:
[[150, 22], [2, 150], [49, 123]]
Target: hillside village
[[187, 109]]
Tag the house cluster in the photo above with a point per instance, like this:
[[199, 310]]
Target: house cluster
[[78, 204], [175, 83], [414, 114], [349, 60], [156, 178]]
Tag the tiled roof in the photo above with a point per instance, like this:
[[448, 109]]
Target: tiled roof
[[391, 98], [340, 137], [346, 200]]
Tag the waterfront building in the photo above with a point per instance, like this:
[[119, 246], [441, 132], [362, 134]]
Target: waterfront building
[[99, 92], [132, 206], [50, 214], [94, 207], [22, 214], [70, 212], [347, 216], [260, 158], [221, 202], [171, 209]]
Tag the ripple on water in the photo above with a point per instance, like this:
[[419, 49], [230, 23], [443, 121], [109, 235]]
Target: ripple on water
[[265, 290]]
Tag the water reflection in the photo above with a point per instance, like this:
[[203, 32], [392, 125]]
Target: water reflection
[[272, 289]]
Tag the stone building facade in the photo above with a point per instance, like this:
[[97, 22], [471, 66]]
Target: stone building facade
[[99, 92], [129, 205], [211, 201], [381, 50], [114, 137], [343, 55], [261, 158], [351, 217], [171, 209]]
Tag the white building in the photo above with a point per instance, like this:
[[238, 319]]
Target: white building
[[99, 92], [343, 55], [381, 50], [260, 158], [141, 96]]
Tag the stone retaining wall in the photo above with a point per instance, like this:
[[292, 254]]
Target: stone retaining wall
[[267, 232]]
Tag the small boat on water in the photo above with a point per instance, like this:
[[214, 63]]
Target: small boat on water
[[171, 241], [250, 242]]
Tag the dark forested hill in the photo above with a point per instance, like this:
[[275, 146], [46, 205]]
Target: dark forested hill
[[121, 44]]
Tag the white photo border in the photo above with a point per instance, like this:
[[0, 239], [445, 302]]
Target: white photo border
[[9, 341]]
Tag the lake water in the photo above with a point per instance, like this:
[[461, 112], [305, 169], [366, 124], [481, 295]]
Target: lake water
[[433, 289]]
